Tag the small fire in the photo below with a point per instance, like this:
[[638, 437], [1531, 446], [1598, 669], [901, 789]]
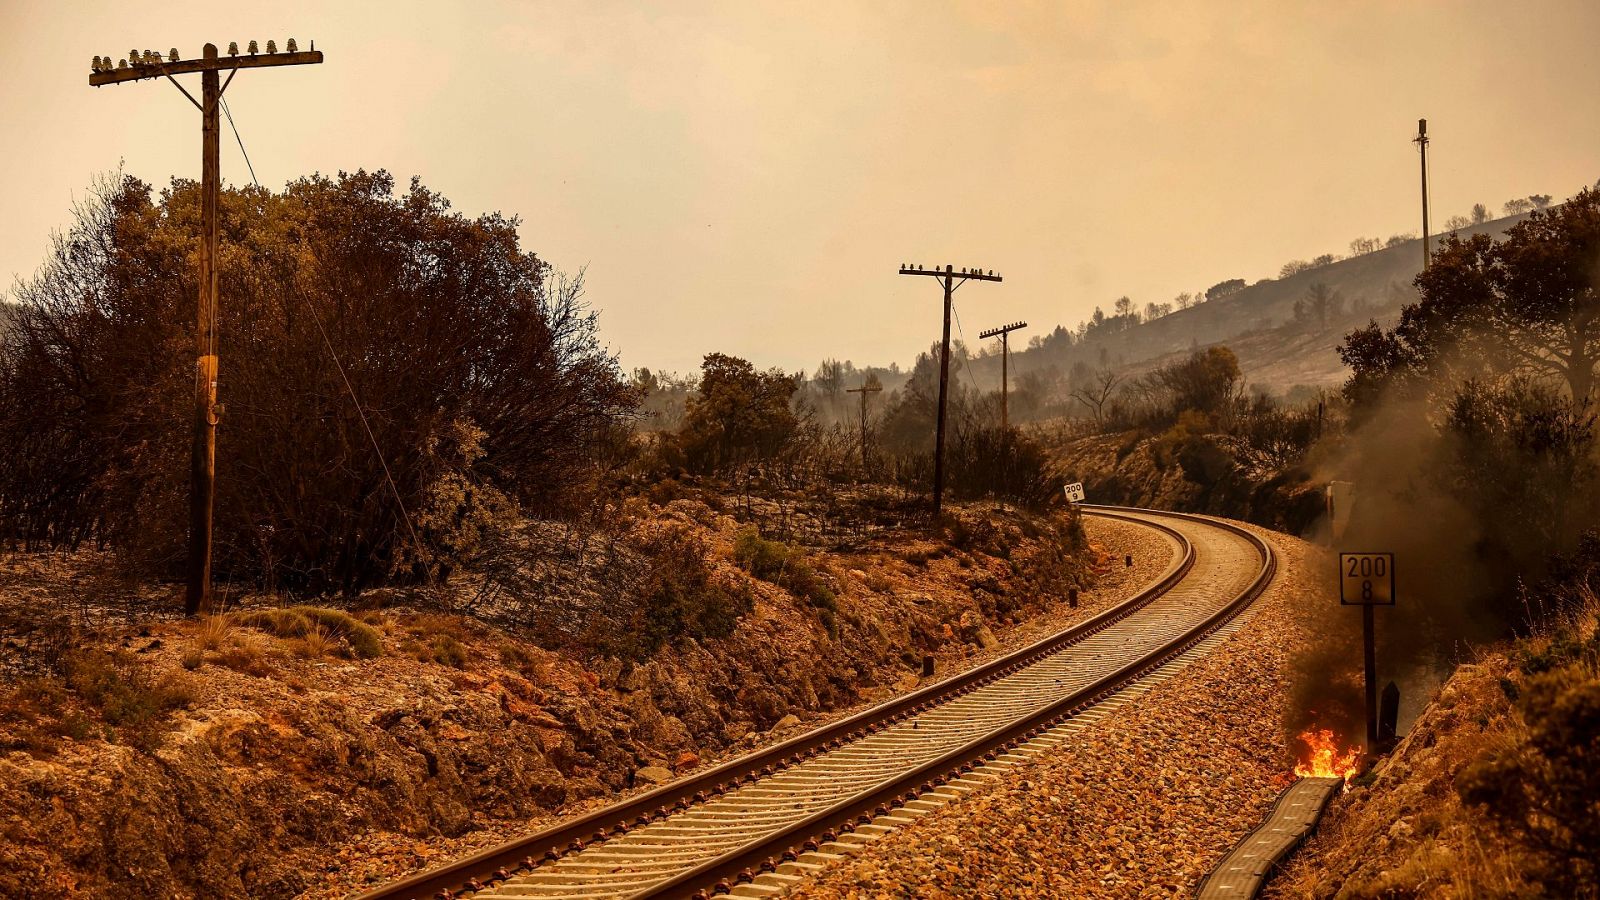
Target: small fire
[[1323, 758]]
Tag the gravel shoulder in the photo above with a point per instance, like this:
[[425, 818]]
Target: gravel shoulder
[[1141, 804]]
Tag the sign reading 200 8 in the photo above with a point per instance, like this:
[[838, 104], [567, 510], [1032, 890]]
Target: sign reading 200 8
[[1366, 579]]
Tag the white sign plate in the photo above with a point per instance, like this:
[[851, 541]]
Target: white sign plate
[[1075, 492], [1366, 579]]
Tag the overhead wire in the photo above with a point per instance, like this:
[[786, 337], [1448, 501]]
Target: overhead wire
[[338, 365]]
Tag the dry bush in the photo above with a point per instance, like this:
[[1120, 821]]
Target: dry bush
[[127, 695], [315, 643]]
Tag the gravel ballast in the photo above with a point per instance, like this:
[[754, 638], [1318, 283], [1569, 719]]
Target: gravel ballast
[[1141, 804]]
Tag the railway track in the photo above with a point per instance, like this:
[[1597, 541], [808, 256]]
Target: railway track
[[756, 824]]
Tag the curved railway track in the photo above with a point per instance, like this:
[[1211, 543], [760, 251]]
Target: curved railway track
[[757, 823]]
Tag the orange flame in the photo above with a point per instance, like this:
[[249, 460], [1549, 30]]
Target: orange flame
[[1324, 759]]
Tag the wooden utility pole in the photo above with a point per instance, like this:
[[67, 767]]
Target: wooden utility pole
[[1003, 333], [864, 390], [951, 280], [207, 411], [1421, 140]]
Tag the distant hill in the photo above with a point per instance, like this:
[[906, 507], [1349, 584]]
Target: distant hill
[[1253, 322]]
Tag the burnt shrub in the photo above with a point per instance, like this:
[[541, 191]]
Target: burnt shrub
[[1002, 463]]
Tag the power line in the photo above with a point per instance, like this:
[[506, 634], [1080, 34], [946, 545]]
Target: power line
[[229, 114], [338, 365]]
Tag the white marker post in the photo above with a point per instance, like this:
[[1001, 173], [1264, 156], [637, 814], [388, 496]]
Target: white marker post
[[1367, 580], [1074, 492]]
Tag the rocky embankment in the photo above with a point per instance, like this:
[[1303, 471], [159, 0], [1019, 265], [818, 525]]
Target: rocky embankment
[[218, 759], [1212, 474]]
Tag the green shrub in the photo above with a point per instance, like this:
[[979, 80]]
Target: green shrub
[[778, 563], [1541, 790], [448, 651], [126, 694], [667, 591]]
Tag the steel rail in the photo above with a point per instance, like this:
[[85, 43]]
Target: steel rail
[[743, 864], [478, 871]]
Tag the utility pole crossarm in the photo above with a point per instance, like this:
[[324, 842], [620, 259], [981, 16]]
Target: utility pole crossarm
[[1004, 334], [1003, 329], [972, 274], [141, 70]]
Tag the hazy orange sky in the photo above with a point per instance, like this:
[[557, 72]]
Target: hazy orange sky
[[746, 176]]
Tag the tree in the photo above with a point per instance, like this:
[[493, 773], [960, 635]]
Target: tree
[[1097, 391], [739, 415], [1320, 305], [1153, 310], [830, 378], [1365, 245], [1205, 382], [1224, 289], [1396, 240], [1183, 300], [1123, 306], [1518, 207], [1539, 201], [1456, 223], [1293, 267], [1480, 214], [1526, 304], [478, 372]]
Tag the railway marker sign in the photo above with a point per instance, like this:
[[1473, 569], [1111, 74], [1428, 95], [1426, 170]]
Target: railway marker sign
[[1074, 492], [1366, 579]]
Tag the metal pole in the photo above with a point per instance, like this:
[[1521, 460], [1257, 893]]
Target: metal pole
[[204, 456], [1372, 676], [944, 379]]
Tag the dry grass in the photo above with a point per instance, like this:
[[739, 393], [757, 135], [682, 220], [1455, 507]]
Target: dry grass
[[331, 626], [244, 654], [211, 633], [316, 643]]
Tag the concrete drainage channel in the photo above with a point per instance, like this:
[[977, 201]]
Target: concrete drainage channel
[[755, 825], [1244, 871]]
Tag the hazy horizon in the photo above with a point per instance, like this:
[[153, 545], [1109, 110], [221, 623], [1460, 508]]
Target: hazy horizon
[[746, 178]]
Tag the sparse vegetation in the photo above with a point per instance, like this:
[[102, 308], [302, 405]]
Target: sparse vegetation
[[317, 629]]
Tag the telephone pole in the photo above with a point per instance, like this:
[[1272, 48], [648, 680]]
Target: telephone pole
[[951, 279], [1421, 140], [864, 390], [207, 411], [1003, 333]]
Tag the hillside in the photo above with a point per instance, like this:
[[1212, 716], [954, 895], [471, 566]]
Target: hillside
[[1373, 285]]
